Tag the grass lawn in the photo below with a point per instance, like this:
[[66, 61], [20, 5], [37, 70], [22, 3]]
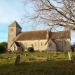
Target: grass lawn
[[37, 63]]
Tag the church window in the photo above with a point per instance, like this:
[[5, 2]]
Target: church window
[[41, 43], [35, 44]]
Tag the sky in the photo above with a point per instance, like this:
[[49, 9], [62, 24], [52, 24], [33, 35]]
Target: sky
[[11, 10]]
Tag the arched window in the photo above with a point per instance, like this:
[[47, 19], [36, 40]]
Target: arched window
[[35, 44], [41, 43]]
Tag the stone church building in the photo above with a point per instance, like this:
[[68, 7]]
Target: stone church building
[[39, 39]]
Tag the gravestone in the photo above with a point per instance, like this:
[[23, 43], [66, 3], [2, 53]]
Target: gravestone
[[73, 59], [17, 61]]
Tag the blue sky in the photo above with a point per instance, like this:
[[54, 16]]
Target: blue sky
[[11, 10]]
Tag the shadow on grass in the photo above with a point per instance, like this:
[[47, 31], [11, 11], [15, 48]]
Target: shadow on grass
[[39, 68]]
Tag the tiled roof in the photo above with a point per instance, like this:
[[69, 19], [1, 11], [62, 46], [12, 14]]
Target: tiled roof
[[42, 34], [32, 35], [60, 35]]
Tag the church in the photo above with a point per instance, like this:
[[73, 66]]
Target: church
[[38, 39]]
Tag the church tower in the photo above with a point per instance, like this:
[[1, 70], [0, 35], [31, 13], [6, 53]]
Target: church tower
[[13, 30]]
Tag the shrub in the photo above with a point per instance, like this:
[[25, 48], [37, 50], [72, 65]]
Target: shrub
[[3, 47], [31, 49]]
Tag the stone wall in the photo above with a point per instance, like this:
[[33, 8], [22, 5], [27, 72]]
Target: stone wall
[[51, 46], [63, 44], [38, 45]]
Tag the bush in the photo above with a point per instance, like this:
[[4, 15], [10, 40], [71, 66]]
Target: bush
[[3, 47], [31, 49]]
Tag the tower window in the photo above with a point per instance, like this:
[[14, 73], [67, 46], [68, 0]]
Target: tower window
[[11, 29]]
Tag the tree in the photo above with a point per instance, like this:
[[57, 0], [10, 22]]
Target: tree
[[3, 47], [55, 13]]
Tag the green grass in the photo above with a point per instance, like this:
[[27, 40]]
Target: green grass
[[55, 64], [39, 68]]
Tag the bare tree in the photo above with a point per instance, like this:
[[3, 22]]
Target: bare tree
[[55, 12]]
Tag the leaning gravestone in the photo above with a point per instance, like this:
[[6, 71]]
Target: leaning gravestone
[[17, 61]]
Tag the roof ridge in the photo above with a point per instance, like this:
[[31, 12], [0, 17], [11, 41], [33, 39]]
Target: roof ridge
[[34, 31], [45, 30]]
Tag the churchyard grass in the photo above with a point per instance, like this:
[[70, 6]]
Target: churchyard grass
[[37, 63]]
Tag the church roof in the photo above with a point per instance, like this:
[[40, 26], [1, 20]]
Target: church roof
[[42, 34], [60, 35], [15, 24], [32, 35]]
